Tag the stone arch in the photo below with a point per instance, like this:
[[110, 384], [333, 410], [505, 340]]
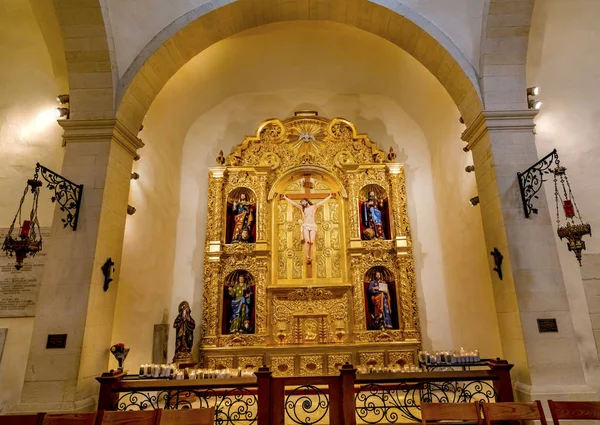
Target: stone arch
[[178, 43], [504, 53], [89, 51]]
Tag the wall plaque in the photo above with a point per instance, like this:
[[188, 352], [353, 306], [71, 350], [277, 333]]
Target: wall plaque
[[547, 325], [56, 341], [19, 288]]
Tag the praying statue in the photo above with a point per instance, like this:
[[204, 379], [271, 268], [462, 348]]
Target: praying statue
[[379, 303], [372, 217], [240, 317], [243, 220], [184, 332], [308, 225]]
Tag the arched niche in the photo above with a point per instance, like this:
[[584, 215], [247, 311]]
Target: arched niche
[[240, 224], [380, 292], [238, 307]]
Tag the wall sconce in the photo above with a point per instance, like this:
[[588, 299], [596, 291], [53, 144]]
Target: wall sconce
[[470, 168], [131, 210], [135, 176], [474, 201], [533, 103], [466, 149], [62, 99], [461, 120], [63, 113]]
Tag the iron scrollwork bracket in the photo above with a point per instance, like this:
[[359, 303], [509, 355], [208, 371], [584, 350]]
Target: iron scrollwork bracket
[[532, 179], [66, 193]]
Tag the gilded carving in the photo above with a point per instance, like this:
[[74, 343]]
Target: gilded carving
[[311, 365], [253, 362], [310, 294], [282, 366], [220, 362], [401, 358], [371, 359], [288, 307], [335, 361]]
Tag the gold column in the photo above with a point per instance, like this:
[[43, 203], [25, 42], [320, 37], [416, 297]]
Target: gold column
[[399, 206], [408, 297], [210, 299], [263, 217], [353, 223], [214, 226]]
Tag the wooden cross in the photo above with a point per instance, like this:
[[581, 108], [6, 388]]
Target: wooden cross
[[308, 185]]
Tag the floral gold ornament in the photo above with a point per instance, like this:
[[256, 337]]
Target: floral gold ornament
[[295, 309]]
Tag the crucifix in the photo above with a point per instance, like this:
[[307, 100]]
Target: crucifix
[[308, 229]]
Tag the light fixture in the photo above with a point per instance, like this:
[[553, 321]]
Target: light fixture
[[461, 120], [534, 103], [62, 98], [62, 113], [130, 210], [470, 168], [135, 176], [474, 201], [466, 149]]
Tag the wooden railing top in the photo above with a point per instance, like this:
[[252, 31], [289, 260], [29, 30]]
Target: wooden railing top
[[166, 384], [454, 375]]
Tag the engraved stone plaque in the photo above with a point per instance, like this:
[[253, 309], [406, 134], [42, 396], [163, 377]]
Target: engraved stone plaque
[[547, 325], [19, 288]]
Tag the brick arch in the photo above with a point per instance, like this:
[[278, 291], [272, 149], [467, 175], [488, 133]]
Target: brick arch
[[504, 53], [194, 32]]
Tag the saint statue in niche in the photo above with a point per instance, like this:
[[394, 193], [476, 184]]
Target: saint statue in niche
[[240, 312], [374, 214], [379, 301], [184, 334], [241, 219], [308, 225]]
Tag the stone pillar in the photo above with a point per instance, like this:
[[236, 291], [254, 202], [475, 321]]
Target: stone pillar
[[99, 155], [547, 365]]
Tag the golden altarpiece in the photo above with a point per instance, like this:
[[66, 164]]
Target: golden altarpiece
[[308, 255]]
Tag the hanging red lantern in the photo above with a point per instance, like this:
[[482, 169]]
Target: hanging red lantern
[[574, 228], [29, 241]]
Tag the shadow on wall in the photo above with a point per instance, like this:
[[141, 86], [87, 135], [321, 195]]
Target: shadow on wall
[[378, 133]]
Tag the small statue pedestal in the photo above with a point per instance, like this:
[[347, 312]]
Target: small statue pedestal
[[182, 361]]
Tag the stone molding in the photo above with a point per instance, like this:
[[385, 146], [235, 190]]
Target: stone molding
[[83, 131], [510, 120]]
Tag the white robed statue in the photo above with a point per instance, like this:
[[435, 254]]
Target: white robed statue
[[308, 226]]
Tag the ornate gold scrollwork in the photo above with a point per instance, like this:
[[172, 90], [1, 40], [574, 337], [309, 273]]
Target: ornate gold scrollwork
[[288, 308]]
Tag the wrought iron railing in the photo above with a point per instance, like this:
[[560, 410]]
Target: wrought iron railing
[[347, 399], [397, 399]]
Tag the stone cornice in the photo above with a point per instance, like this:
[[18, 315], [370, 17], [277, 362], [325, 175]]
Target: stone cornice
[[82, 131], [511, 120]]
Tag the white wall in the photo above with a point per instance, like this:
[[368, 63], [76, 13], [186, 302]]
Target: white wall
[[28, 133], [222, 95], [136, 22], [562, 62]]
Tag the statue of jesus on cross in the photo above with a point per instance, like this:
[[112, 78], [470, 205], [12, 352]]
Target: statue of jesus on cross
[[308, 228]]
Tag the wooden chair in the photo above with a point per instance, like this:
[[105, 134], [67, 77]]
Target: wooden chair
[[494, 412], [574, 410], [22, 419], [132, 417], [69, 419], [188, 417], [450, 413]]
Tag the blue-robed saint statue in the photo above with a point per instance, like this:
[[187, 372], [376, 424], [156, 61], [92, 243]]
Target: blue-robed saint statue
[[379, 303], [372, 217], [240, 318]]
